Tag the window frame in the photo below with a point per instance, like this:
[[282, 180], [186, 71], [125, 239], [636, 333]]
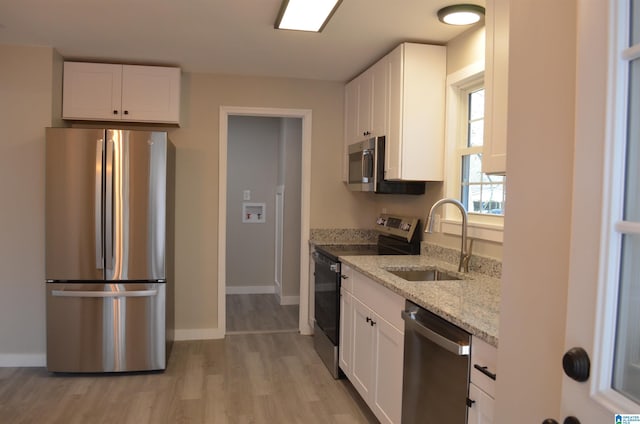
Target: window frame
[[480, 226], [613, 226]]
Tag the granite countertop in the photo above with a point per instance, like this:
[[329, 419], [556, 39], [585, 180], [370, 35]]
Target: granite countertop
[[471, 303]]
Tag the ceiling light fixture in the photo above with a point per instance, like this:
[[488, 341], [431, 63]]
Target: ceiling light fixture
[[306, 15], [461, 14]]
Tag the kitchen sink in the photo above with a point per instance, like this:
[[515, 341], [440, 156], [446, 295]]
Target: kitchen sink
[[430, 274]]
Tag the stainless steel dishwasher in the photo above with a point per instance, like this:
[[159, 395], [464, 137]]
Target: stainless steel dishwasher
[[436, 369]]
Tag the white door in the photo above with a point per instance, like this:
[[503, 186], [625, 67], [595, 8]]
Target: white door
[[603, 298]]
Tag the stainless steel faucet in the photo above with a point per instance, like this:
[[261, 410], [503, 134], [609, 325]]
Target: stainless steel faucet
[[465, 254]]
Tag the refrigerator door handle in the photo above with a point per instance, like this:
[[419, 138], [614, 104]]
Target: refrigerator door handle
[[104, 294], [108, 206], [98, 205]]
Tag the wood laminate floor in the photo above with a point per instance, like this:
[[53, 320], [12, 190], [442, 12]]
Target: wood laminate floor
[[259, 313], [245, 378]]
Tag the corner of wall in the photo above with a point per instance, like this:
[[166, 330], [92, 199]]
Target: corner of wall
[[56, 89]]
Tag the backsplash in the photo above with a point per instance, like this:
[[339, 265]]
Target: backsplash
[[343, 236], [481, 264]]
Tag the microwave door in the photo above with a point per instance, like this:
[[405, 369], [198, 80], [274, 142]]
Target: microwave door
[[361, 168]]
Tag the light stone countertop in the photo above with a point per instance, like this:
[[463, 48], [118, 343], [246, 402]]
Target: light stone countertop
[[471, 303]]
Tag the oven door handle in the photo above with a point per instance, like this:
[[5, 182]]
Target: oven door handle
[[458, 348], [322, 259]]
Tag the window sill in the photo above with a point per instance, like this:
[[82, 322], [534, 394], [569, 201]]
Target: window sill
[[487, 232]]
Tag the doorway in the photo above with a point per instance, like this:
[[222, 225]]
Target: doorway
[[263, 190], [232, 286]]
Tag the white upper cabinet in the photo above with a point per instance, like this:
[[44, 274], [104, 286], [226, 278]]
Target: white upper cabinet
[[401, 97], [379, 98], [365, 101], [496, 79], [110, 92], [415, 140], [366, 105]]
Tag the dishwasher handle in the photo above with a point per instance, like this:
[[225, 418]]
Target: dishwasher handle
[[456, 347]]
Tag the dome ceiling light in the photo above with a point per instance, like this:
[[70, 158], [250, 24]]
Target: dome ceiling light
[[461, 14]]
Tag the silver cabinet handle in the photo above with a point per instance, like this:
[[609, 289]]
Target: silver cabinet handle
[[445, 343], [103, 294]]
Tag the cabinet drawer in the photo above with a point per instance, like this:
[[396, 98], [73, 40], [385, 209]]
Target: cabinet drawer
[[383, 301], [347, 278], [483, 355]]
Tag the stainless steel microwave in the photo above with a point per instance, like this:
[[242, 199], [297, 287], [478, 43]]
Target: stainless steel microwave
[[366, 170]]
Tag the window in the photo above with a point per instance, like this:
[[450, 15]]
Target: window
[[617, 368], [480, 193], [626, 366]]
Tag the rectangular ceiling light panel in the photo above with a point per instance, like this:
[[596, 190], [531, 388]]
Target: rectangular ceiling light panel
[[306, 15]]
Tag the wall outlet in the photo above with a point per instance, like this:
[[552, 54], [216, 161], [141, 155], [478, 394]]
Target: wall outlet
[[246, 195], [384, 210]]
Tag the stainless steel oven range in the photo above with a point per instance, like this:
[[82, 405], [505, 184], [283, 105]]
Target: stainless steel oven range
[[399, 235]]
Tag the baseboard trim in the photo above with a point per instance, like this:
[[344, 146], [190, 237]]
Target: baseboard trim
[[289, 300], [251, 289], [23, 360], [199, 334]]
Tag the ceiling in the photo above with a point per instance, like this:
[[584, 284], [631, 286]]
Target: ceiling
[[223, 36]]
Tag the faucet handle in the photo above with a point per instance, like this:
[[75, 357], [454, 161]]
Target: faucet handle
[[467, 257]]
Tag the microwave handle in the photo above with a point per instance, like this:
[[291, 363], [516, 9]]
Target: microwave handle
[[367, 164]]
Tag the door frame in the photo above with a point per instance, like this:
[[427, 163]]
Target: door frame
[[305, 205]]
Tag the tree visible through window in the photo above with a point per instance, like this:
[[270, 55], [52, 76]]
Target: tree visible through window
[[480, 193]]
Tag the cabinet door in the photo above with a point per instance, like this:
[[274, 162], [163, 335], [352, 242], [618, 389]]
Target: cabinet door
[[481, 410], [91, 91], [389, 350], [346, 332], [350, 124], [496, 79], [151, 94], [379, 98], [415, 142], [363, 350], [365, 89], [393, 148]]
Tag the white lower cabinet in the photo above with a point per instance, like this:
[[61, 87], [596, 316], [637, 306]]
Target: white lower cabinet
[[482, 388], [372, 345], [481, 410], [389, 351], [346, 333], [363, 353]]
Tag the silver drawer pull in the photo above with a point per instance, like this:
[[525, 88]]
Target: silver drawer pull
[[103, 294]]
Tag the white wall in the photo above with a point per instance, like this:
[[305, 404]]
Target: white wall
[[291, 168], [26, 103], [252, 164], [542, 51]]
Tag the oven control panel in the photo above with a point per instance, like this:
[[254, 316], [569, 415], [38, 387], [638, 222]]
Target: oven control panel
[[400, 226]]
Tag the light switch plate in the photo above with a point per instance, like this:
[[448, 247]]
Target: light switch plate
[[246, 195]]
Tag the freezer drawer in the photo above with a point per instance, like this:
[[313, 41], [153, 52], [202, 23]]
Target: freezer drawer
[[106, 327]]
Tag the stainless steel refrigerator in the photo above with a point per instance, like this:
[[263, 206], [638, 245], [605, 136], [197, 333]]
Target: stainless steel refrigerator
[[109, 249]]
